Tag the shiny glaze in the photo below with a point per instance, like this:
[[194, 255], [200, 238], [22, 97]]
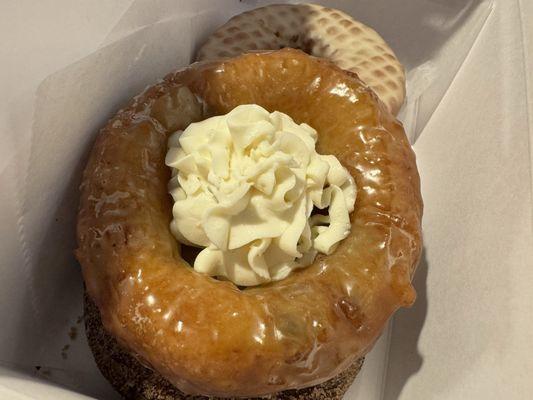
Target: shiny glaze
[[207, 336]]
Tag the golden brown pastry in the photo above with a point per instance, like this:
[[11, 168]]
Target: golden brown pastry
[[319, 31], [134, 381], [207, 336]]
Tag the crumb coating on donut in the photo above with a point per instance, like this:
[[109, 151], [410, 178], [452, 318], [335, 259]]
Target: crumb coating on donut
[[207, 336]]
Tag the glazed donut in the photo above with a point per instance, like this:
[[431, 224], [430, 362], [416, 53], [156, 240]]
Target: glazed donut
[[319, 31], [135, 381], [207, 336]]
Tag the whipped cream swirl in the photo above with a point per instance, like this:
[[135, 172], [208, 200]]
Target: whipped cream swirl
[[244, 187]]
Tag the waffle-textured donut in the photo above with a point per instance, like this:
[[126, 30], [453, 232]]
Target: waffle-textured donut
[[207, 336], [319, 31]]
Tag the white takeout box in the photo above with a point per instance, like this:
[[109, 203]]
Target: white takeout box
[[67, 66]]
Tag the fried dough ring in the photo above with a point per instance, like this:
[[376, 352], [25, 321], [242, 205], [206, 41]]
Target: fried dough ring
[[319, 31], [207, 336]]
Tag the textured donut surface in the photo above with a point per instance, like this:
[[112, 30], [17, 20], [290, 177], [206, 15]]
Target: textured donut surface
[[207, 336], [319, 31], [134, 381]]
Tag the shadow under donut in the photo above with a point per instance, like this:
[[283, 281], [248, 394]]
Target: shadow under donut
[[407, 324]]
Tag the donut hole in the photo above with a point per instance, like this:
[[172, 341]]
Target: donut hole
[[189, 253]]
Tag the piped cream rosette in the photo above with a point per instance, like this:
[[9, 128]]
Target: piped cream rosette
[[244, 187]]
